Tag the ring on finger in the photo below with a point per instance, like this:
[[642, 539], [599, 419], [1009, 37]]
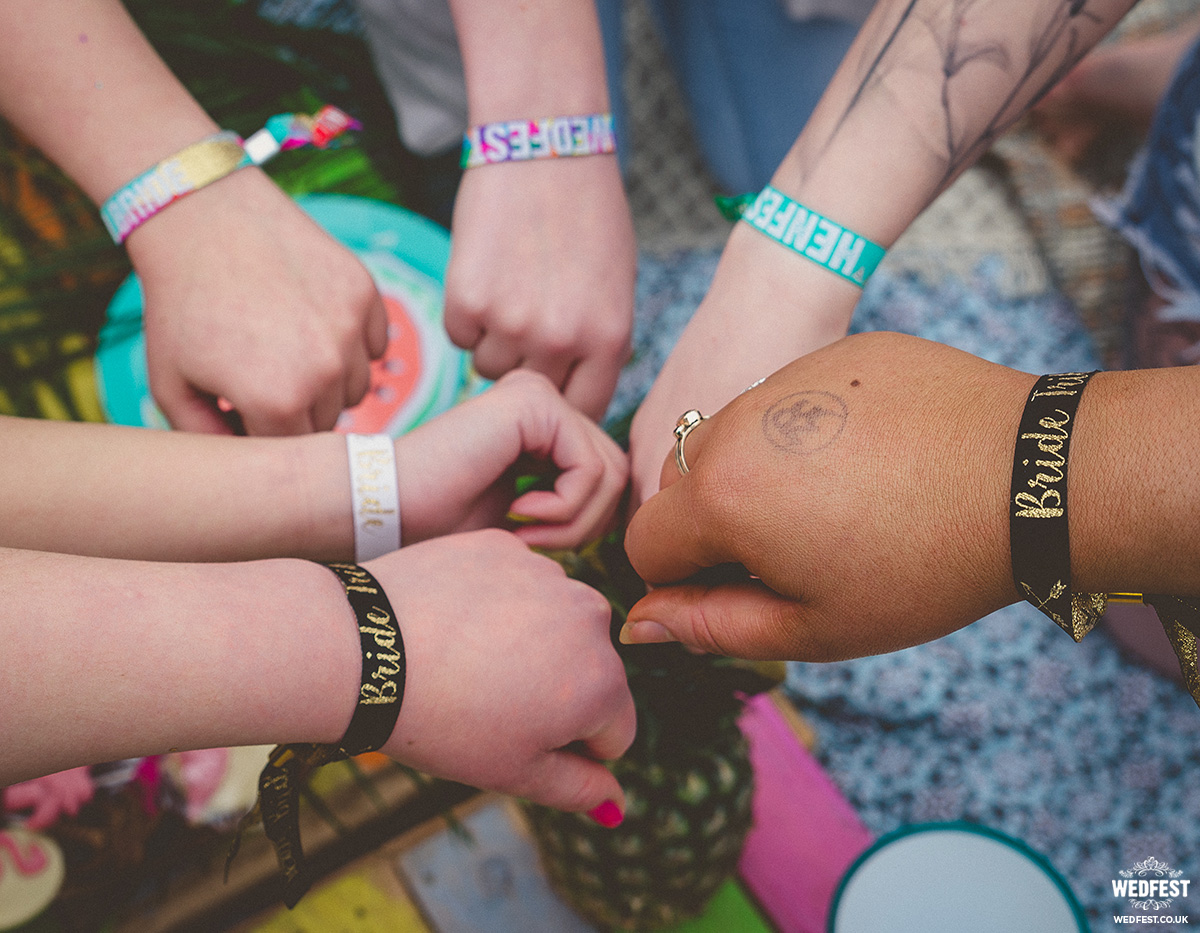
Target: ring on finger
[[683, 427]]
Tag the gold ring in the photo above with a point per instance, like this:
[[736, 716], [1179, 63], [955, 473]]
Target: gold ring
[[683, 427]]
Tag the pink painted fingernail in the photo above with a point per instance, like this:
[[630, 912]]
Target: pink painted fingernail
[[608, 814]]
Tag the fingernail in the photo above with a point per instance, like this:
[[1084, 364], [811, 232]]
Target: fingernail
[[608, 815], [645, 633]]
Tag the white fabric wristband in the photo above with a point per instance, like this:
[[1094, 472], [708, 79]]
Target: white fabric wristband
[[374, 492]]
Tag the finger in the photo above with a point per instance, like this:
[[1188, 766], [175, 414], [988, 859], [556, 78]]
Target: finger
[[567, 781], [555, 367], [590, 385], [377, 328], [578, 450], [187, 409], [324, 414], [741, 620], [495, 355], [669, 540], [574, 487], [613, 741], [358, 380], [464, 329], [593, 517]]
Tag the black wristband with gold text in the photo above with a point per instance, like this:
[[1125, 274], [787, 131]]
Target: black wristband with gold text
[[1038, 529], [383, 666], [379, 697]]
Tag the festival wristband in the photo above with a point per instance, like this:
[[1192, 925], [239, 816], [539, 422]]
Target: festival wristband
[[1037, 513], [806, 232], [1038, 530], [379, 698], [548, 138], [374, 493], [212, 159]]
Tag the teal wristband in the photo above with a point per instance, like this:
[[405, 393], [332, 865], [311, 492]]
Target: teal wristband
[[806, 232]]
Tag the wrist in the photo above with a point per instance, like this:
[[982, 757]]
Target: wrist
[[201, 215], [527, 61], [318, 665], [797, 300], [320, 495]]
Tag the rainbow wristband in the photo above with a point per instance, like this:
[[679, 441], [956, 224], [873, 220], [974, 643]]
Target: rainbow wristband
[[213, 158], [806, 232], [548, 138]]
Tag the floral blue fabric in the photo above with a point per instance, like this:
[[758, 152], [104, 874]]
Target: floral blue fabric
[[1087, 756]]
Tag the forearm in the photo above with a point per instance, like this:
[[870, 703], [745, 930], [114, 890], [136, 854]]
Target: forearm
[[109, 491], [526, 59], [112, 659], [81, 81], [925, 89]]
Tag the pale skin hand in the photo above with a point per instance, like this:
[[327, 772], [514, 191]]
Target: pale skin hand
[[109, 491], [526, 652], [245, 654], [542, 268], [927, 86], [541, 273], [521, 423], [246, 299], [866, 487]]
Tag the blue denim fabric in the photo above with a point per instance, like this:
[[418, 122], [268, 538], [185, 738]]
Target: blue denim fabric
[[751, 76], [1159, 210]]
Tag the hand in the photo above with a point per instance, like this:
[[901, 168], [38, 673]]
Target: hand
[[542, 271], [864, 486], [513, 683], [457, 472], [765, 307], [248, 300]]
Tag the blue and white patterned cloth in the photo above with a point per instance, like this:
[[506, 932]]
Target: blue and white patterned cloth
[[1086, 755]]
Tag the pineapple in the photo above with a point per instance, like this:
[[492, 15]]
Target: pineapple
[[687, 780]]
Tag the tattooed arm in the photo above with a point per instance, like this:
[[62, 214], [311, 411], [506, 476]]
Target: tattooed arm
[[925, 89]]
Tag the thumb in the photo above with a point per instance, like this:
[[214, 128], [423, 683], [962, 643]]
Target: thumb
[[741, 620], [189, 410], [571, 782]]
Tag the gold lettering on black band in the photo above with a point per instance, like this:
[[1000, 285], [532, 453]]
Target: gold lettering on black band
[[383, 666], [1038, 528], [371, 725]]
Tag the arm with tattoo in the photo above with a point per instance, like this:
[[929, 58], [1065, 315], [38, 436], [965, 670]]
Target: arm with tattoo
[[927, 86]]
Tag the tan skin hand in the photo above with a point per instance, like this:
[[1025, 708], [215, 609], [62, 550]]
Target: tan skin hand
[[268, 312], [766, 306], [864, 485], [542, 271]]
